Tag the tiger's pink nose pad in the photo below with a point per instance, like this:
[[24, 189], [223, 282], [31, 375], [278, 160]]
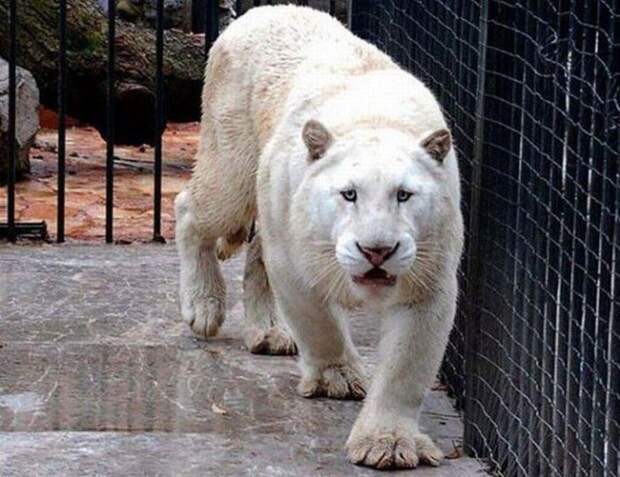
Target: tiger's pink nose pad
[[377, 255]]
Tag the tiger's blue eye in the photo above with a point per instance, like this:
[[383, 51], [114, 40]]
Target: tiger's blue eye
[[349, 195], [403, 195]]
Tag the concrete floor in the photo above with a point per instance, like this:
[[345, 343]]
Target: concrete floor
[[98, 375]]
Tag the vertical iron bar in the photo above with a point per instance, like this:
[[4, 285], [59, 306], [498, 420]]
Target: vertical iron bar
[[212, 24], [159, 122], [574, 265], [109, 198], [562, 128], [554, 362], [603, 166], [534, 201], [12, 111], [613, 353], [471, 437], [590, 161], [613, 350], [332, 7], [257, 3], [350, 7], [62, 88], [611, 425], [612, 404]]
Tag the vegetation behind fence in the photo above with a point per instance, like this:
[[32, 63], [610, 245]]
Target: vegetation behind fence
[[531, 90]]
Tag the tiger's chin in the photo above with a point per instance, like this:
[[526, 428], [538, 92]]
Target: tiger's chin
[[375, 292]]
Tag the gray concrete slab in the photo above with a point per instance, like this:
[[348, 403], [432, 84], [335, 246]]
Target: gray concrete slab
[[100, 376]]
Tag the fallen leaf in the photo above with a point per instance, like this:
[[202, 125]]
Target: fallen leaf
[[457, 453], [218, 410]]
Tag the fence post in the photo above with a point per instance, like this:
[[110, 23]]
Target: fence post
[[350, 15], [12, 234], [492, 198], [212, 24], [358, 23], [471, 438], [62, 108], [110, 120], [160, 122]]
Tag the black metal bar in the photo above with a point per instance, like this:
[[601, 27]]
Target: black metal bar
[[574, 265], [553, 362], [613, 350], [561, 127], [257, 3], [159, 122], [537, 163], [605, 167], [12, 236], [350, 12], [212, 24], [31, 230], [109, 196], [359, 16], [198, 14], [471, 439], [524, 233], [332, 7], [611, 428], [62, 88], [587, 287]]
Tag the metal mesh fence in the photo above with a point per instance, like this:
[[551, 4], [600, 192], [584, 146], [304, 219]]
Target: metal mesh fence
[[531, 90]]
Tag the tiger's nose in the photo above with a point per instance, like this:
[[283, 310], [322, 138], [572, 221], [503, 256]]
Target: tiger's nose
[[377, 255]]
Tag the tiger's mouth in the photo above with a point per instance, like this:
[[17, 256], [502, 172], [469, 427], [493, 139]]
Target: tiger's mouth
[[375, 277]]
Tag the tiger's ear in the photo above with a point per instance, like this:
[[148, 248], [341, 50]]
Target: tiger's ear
[[438, 144], [317, 139]]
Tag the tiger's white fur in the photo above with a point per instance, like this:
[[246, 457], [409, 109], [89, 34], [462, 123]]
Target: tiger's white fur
[[296, 112]]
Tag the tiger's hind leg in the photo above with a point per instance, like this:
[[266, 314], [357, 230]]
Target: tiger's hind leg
[[265, 330]]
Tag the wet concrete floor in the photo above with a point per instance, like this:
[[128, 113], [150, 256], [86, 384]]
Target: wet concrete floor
[[99, 376]]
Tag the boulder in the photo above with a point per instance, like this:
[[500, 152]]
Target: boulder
[[27, 119], [87, 62], [177, 13]]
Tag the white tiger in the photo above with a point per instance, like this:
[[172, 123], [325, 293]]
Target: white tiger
[[345, 161]]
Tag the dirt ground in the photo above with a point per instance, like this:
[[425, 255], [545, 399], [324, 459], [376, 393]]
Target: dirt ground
[[36, 197]]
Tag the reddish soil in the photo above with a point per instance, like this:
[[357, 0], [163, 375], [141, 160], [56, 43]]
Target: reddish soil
[[36, 197]]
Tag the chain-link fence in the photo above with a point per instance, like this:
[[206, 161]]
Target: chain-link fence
[[531, 90]]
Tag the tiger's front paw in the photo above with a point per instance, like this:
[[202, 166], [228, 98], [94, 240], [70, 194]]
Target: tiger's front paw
[[336, 382], [392, 450], [204, 315]]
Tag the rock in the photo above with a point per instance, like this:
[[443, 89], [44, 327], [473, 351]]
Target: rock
[[341, 6], [175, 13], [27, 120], [87, 60]]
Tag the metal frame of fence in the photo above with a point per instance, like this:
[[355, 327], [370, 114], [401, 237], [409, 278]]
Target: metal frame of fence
[[531, 90]]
